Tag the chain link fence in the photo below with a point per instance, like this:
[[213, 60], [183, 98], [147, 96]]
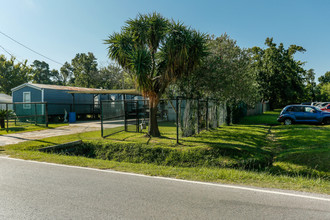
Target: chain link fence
[[20, 114], [189, 116], [196, 115], [112, 116]]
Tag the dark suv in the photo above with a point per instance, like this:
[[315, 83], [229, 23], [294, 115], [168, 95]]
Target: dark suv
[[303, 114]]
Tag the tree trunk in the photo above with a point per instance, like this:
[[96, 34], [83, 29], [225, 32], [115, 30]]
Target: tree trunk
[[229, 114], [153, 125], [2, 122]]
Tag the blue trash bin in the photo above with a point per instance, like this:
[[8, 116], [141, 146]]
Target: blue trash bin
[[72, 117]]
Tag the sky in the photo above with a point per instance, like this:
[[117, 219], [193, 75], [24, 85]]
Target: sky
[[59, 29]]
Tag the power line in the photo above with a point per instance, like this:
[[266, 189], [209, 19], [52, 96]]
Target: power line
[[30, 48], [10, 54], [6, 51]]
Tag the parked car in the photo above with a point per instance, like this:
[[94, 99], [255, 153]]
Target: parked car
[[326, 108], [303, 114], [323, 104]]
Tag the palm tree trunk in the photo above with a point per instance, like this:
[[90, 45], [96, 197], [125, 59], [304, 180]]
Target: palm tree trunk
[[153, 125]]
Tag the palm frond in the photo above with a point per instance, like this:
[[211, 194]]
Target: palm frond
[[120, 47]]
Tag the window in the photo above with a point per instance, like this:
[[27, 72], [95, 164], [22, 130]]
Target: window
[[309, 109], [27, 98], [290, 109], [298, 109]]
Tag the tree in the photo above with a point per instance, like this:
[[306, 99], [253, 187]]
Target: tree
[[67, 74], [280, 76], [12, 74], [225, 74], [325, 91], [42, 74], [310, 85], [114, 77], [325, 78], [156, 52], [84, 68]]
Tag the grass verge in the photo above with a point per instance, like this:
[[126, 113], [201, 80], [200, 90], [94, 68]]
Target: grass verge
[[245, 154]]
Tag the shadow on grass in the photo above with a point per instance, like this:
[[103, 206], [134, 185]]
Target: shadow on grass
[[304, 145]]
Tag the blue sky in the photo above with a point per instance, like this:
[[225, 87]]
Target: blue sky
[[59, 29]]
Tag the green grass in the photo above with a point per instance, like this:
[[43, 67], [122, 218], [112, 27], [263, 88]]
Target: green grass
[[27, 127], [289, 157], [303, 150], [269, 118]]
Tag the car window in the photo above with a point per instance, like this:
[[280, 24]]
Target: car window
[[290, 109], [309, 109], [298, 109]]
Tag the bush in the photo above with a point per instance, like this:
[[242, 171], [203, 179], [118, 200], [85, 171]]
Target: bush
[[161, 155]]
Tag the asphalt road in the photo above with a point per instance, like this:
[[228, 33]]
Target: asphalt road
[[33, 190]]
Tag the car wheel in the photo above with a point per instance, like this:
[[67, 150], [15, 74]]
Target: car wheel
[[288, 121], [326, 121]]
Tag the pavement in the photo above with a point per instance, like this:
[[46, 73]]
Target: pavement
[[73, 128], [36, 190]]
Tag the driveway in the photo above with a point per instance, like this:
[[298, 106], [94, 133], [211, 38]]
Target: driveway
[[73, 128]]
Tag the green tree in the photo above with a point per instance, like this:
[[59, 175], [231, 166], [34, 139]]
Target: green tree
[[114, 77], [280, 76], [311, 89], [12, 74], [225, 74], [66, 72], [325, 91], [156, 52], [84, 68], [42, 74], [325, 78]]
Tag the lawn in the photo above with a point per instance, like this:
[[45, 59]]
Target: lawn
[[276, 156], [302, 150], [268, 118]]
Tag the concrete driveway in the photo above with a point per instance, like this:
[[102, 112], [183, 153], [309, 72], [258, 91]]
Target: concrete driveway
[[73, 128]]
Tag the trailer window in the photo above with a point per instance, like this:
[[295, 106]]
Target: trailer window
[[27, 98]]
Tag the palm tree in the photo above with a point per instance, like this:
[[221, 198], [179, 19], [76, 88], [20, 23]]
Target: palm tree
[[157, 52]]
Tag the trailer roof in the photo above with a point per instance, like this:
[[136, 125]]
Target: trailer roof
[[79, 90], [55, 87], [104, 91], [5, 98]]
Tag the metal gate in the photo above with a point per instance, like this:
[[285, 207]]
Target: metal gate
[[120, 115], [132, 119]]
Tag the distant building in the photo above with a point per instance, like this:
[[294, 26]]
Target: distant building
[[5, 99]]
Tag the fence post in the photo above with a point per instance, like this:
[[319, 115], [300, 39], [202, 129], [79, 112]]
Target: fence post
[[125, 114], [207, 115], [137, 117], [101, 119], [46, 114], [14, 108], [197, 116], [177, 119], [35, 112], [7, 116]]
